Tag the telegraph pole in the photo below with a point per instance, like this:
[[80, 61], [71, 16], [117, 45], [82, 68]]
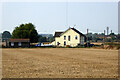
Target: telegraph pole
[[111, 31], [87, 34], [104, 36], [112, 36], [66, 12], [87, 37]]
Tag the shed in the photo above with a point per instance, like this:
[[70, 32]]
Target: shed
[[19, 43]]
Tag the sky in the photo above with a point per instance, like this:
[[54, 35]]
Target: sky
[[49, 17]]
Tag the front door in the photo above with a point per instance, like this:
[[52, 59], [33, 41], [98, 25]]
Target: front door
[[64, 43]]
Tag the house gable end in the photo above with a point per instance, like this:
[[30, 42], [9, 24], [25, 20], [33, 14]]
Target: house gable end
[[75, 30]]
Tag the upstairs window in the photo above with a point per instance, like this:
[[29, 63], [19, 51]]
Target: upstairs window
[[68, 38], [64, 37], [76, 37]]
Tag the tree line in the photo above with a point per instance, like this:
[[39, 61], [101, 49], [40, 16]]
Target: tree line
[[28, 30], [25, 31]]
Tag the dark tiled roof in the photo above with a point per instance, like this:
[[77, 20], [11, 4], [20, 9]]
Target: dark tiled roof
[[19, 40], [77, 31], [57, 34]]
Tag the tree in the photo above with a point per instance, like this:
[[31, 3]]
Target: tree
[[26, 31], [6, 35], [42, 39], [51, 39], [112, 34], [101, 34]]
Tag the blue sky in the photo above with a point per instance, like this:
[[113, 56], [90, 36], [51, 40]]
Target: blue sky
[[49, 17]]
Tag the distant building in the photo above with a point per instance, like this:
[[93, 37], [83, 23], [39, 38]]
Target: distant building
[[19, 43], [100, 36], [71, 37]]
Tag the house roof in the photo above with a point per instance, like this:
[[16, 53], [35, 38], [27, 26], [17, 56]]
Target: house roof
[[19, 40], [77, 31], [57, 34]]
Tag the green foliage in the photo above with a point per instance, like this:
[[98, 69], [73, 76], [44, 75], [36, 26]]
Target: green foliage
[[6, 34], [45, 38], [51, 39], [42, 39], [26, 31], [112, 34]]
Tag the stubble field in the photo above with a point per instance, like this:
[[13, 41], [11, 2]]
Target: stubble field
[[59, 63]]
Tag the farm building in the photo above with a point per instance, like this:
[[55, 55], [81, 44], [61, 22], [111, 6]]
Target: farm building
[[71, 37], [19, 43]]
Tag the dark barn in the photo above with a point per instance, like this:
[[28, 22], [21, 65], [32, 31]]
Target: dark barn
[[15, 43]]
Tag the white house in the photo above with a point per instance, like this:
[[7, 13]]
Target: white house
[[71, 37]]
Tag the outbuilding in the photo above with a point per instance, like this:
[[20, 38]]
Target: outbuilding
[[15, 43]]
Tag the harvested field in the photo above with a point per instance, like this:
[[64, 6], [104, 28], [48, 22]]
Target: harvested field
[[59, 63]]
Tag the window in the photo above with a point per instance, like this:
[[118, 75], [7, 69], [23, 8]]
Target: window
[[76, 37], [64, 43], [68, 38], [64, 37], [19, 44], [12, 43]]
